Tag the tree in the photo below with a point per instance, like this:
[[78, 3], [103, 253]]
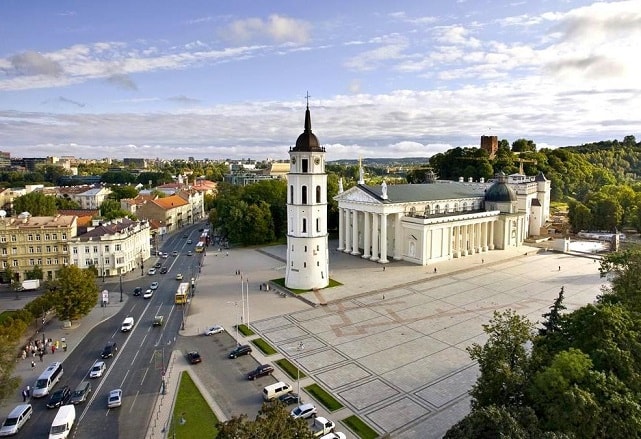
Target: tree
[[523, 145], [552, 322], [496, 421], [66, 203], [579, 216], [110, 209], [503, 360], [118, 192], [272, 421], [75, 292], [622, 268], [35, 273], [36, 203]]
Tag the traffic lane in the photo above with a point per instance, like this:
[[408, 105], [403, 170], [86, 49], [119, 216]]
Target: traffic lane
[[226, 379]]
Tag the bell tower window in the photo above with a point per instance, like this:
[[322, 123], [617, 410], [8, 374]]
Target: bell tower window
[[304, 195], [305, 166]]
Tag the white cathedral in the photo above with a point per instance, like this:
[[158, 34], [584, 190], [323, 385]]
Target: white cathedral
[[419, 223]]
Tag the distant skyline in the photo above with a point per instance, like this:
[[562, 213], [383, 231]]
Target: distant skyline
[[213, 79]]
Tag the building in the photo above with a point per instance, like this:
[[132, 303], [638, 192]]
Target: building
[[112, 247], [490, 144], [27, 241], [427, 223], [5, 160], [307, 247], [172, 212]]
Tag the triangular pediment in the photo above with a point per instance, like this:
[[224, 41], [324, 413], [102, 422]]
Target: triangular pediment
[[357, 195]]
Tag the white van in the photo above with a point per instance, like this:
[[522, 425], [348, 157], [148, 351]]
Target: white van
[[47, 380], [63, 422], [275, 390], [127, 324], [16, 420]]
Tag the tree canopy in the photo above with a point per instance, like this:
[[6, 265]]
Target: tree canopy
[[272, 421], [74, 292]]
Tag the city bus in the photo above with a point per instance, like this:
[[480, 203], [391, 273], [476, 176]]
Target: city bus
[[200, 247], [182, 293]]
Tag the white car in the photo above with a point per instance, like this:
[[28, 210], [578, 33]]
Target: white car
[[151, 271], [154, 285], [216, 329], [335, 435], [179, 276], [303, 411], [98, 369], [164, 255], [148, 294], [127, 324], [115, 398]]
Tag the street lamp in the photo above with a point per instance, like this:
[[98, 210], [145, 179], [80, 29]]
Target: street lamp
[[121, 287], [299, 348]]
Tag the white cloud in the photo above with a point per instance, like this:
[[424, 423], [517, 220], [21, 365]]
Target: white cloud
[[276, 28]]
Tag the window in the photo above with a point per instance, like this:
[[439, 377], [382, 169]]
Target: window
[[291, 194], [39, 249], [118, 247], [15, 262], [305, 249], [75, 250], [48, 249], [64, 236], [14, 250], [14, 238], [304, 264], [4, 251], [318, 224], [75, 262], [304, 195], [4, 264], [427, 211], [304, 225], [88, 262], [95, 261], [31, 249], [32, 262], [305, 164], [49, 261], [29, 237], [318, 194], [106, 261], [106, 248], [47, 237], [3, 238], [38, 237], [54, 236], [95, 249], [318, 263]]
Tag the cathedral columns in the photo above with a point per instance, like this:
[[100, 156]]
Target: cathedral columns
[[355, 232], [398, 238], [375, 236], [367, 234], [485, 226], [341, 229], [383, 259], [491, 226], [348, 228]]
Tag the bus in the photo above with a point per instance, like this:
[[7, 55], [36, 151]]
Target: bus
[[182, 293], [200, 247], [47, 380]]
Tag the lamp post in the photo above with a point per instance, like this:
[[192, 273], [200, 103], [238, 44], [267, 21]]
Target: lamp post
[[299, 348], [121, 287]]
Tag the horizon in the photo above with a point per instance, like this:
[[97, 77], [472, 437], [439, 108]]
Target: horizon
[[229, 80]]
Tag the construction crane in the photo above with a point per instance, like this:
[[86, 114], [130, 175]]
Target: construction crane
[[521, 161]]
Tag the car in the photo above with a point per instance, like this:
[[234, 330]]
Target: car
[[127, 324], [179, 276], [216, 329], [334, 435], [185, 235], [174, 253], [290, 398], [158, 321], [194, 357], [59, 397], [163, 270], [260, 371], [164, 255], [148, 294], [110, 349], [303, 411], [114, 399], [189, 241], [154, 286], [190, 253], [98, 369], [137, 291], [158, 264], [151, 271], [240, 350], [81, 393]]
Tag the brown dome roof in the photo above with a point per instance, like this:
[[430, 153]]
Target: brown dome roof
[[308, 142]]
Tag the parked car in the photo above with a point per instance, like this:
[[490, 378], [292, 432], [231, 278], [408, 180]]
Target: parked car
[[194, 357], [163, 270], [81, 393], [110, 349], [137, 291], [98, 369], [154, 285], [115, 398], [240, 350], [260, 371], [151, 271], [174, 253], [179, 276], [148, 294], [216, 329], [303, 411], [290, 398], [59, 397]]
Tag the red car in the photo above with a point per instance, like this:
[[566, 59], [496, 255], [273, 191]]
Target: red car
[[260, 371]]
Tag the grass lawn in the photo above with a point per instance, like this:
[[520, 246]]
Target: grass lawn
[[192, 416], [281, 282], [363, 430], [264, 346], [323, 397], [245, 330], [6, 314], [290, 369]]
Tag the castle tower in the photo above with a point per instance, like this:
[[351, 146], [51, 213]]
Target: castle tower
[[307, 247]]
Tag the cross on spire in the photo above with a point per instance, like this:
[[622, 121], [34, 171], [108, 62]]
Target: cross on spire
[[307, 96]]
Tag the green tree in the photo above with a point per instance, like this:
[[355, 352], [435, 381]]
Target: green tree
[[552, 322], [273, 421], [36, 203], [579, 216], [257, 225], [118, 192], [110, 209], [75, 292], [523, 145], [622, 269], [118, 177], [503, 360], [35, 273], [606, 212], [66, 203], [496, 421]]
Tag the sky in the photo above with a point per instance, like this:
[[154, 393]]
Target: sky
[[230, 79]]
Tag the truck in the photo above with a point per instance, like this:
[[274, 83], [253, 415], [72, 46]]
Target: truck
[[322, 426], [31, 284], [182, 293]]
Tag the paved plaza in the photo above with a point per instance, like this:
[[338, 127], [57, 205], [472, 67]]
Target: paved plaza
[[390, 343]]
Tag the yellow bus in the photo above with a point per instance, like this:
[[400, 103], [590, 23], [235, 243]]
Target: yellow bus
[[200, 247], [182, 293]]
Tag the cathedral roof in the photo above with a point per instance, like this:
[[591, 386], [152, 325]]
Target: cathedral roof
[[405, 193], [308, 142], [500, 192]]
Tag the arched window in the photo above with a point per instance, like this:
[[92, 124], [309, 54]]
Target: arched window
[[318, 194], [447, 208], [427, 211], [412, 211], [291, 194], [304, 225], [318, 224], [437, 209], [304, 195]]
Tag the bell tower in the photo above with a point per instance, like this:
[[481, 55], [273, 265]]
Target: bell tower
[[307, 247]]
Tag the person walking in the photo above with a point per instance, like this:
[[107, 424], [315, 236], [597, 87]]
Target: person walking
[[24, 395], [33, 364]]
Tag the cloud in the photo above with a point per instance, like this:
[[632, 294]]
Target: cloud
[[33, 63], [276, 28], [122, 81], [65, 101], [184, 100], [391, 48]]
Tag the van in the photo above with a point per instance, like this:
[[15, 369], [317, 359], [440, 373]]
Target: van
[[16, 419], [127, 324], [47, 380], [275, 390], [63, 422]]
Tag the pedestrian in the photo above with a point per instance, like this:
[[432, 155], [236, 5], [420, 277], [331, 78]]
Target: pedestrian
[[482, 261], [33, 364], [64, 346], [260, 287], [384, 267], [434, 269], [53, 348], [41, 354], [559, 268], [24, 354], [28, 391], [24, 395]]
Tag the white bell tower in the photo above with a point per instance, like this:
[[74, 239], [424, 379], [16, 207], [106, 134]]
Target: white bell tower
[[307, 247]]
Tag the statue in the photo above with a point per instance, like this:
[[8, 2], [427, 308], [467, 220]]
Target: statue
[[384, 190]]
